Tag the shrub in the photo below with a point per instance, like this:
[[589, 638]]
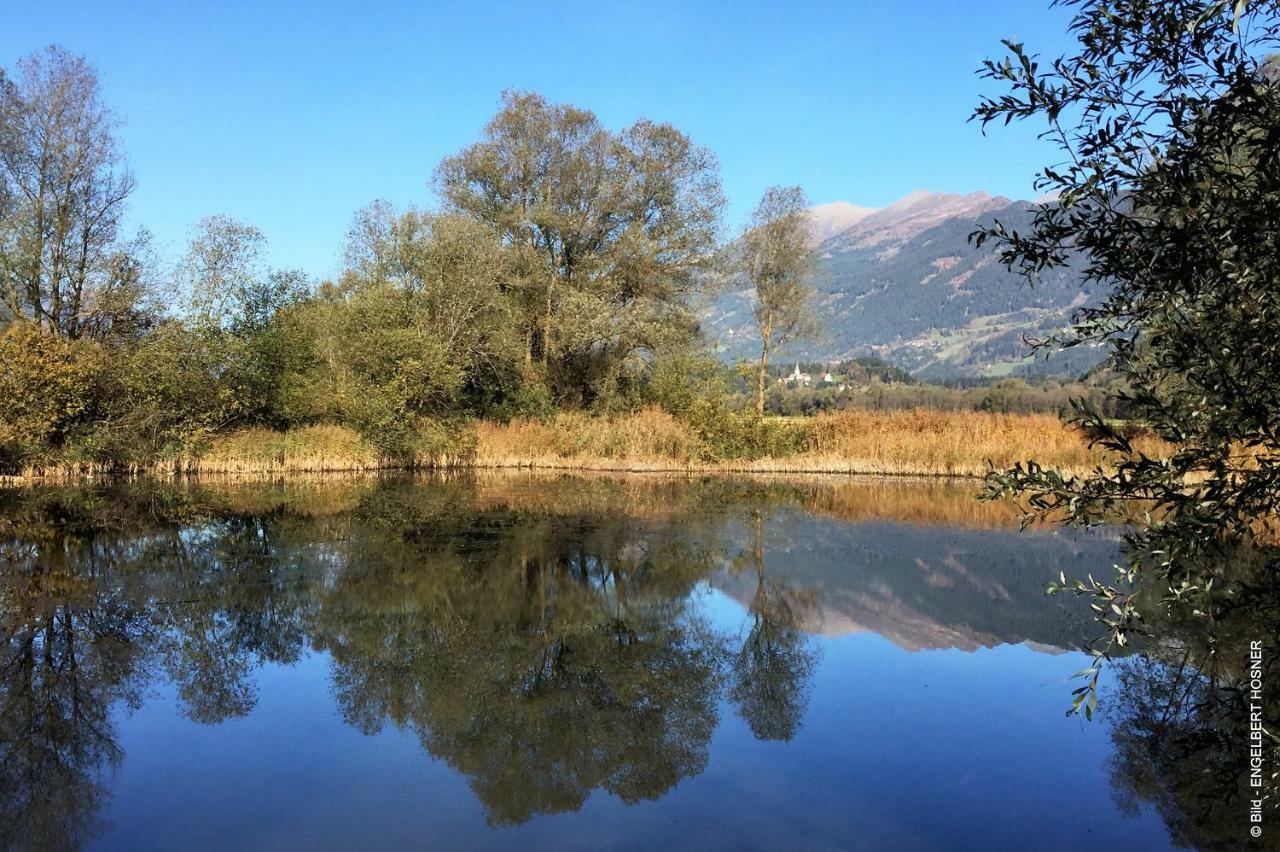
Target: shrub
[[49, 385]]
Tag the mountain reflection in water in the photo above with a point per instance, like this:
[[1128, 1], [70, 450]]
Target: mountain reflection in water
[[544, 638]]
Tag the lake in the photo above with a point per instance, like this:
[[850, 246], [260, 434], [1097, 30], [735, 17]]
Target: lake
[[545, 661]]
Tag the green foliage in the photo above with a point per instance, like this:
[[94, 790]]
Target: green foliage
[[700, 391], [423, 333], [683, 381], [740, 435], [606, 236], [50, 388], [1168, 123]]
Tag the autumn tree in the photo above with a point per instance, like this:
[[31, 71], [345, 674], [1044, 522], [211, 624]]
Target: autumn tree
[[774, 259], [606, 233], [63, 186], [417, 327]]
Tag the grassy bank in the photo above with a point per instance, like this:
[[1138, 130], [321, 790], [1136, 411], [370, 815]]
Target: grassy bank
[[908, 443], [917, 443]]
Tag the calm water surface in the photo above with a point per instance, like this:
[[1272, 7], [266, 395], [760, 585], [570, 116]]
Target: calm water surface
[[550, 662]]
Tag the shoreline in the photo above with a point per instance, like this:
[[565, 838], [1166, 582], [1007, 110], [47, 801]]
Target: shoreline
[[760, 467], [620, 466], [919, 444]]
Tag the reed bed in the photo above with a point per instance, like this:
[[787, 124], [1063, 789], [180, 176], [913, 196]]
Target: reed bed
[[263, 452], [313, 448], [952, 443], [904, 443], [646, 440]]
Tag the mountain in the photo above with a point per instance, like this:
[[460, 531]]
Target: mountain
[[924, 586], [827, 220], [904, 283]]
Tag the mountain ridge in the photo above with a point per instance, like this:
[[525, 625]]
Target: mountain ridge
[[905, 283]]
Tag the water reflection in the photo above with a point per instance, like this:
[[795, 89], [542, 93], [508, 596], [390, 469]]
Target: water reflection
[[770, 672], [1180, 710], [542, 657], [544, 637]]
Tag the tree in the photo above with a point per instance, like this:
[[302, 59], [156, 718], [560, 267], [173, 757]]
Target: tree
[[607, 233], [50, 386], [233, 302], [773, 255], [370, 251], [417, 327], [222, 269], [1169, 125], [63, 188]]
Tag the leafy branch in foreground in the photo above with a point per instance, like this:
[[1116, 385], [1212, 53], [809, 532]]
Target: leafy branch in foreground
[[1167, 115]]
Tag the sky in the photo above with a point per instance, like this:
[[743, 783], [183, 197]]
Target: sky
[[291, 116]]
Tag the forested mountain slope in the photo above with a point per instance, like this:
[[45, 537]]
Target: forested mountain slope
[[905, 283]]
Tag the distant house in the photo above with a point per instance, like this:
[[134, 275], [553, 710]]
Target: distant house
[[799, 378]]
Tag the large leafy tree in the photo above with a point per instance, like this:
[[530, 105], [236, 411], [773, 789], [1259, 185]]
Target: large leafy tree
[[418, 327], [1169, 193], [607, 233]]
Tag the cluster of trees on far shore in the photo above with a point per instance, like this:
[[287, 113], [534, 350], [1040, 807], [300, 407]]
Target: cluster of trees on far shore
[[1004, 396], [560, 269]]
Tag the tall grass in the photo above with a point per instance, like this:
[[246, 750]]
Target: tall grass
[[650, 439], [919, 442], [310, 449], [950, 443]]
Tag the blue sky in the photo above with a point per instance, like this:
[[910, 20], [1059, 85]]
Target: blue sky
[[291, 116]]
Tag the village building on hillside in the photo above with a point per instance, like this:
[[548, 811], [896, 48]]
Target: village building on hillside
[[796, 378]]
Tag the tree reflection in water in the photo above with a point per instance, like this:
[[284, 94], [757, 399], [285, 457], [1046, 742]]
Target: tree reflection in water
[[770, 674], [1179, 710], [545, 642], [541, 657], [73, 649]]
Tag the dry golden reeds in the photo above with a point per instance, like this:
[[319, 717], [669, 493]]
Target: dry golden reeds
[[650, 439], [905, 443], [914, 443]]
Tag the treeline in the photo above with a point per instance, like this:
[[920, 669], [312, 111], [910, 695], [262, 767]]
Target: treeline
[[559, 271], [1005, 396]]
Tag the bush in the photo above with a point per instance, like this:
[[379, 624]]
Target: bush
[[731, 435], [49, 385]]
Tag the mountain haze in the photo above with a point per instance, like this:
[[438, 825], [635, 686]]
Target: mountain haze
[[827, 220], [903, 282]]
